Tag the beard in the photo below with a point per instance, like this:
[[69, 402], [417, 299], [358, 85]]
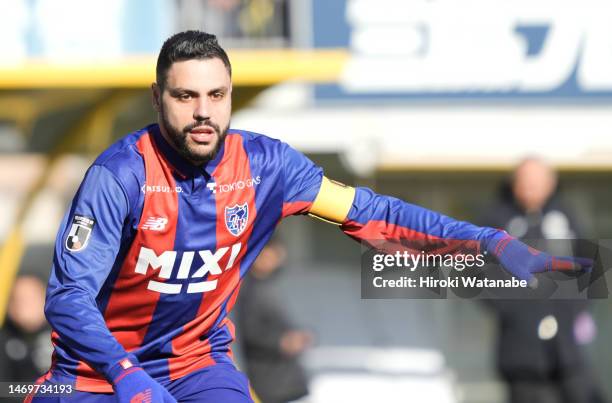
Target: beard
[[178, 138]]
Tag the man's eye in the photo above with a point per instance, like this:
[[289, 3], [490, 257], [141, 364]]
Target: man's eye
[[184, 97], [217, 95]]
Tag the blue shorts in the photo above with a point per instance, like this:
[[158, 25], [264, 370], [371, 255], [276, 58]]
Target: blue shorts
[[217, 383]]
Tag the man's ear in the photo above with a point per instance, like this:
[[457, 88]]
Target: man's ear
[[156, 97]]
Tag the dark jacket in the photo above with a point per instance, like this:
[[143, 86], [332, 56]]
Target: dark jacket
[[522, 354], [261, 322], [24, 357]]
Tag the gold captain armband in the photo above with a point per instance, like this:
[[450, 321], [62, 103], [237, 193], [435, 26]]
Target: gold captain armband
[[333, 201]]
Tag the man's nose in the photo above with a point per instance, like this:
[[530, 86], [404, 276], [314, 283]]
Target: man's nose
[[202, 110]]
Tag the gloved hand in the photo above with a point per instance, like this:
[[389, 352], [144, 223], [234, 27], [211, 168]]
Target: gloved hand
[[133, 385], [522, 260]]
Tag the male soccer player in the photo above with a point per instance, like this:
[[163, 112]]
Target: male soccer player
[[150, 256]]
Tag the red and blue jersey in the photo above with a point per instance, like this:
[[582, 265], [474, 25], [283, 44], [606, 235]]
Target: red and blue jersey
[[150, 256]]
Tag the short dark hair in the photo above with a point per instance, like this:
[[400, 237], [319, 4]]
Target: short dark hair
[[188, 45]]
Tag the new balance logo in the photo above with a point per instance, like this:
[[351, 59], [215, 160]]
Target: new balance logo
[[155, 223]]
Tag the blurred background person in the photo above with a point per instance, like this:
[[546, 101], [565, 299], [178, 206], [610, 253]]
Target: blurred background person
[[220, 16], [25, 338], [540, 342], [271, 343], [239, 21], [529, 207]]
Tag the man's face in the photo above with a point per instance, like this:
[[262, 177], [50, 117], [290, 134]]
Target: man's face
[[194, 107], [534, 183]]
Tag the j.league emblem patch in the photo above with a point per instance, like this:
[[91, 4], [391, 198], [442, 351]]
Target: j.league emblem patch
[[79, 233]]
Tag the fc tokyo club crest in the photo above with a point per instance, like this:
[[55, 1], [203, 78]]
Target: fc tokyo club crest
[[79, 233], [236, 218]]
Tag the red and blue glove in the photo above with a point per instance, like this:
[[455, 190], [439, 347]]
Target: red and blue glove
[[523, 261], [133, 385]]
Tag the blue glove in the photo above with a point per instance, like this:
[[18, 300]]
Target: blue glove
[[523, 261], [133, 385]]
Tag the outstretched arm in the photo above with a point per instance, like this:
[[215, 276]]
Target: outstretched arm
[[370, 217], [367, 216]]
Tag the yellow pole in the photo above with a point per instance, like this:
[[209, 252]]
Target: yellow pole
[[10, 256], [95, 124], [254, 395]]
